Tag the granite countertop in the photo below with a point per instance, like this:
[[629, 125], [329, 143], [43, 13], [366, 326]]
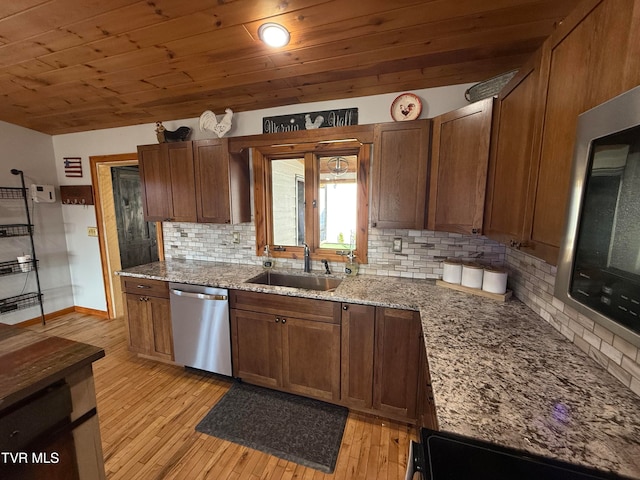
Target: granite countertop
[[31, 361], [499, 372]]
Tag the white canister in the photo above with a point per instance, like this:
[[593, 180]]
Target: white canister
[[24, 263], [472, 274], [452, 271], [494, 281]]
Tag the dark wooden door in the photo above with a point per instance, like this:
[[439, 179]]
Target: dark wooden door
[[397, 358], [156, 183], [401, 153], [358, 328], [459, 159], [311, 358], [136, 237], [257, 347], [517, 115]]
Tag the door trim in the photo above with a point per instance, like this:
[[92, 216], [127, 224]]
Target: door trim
[[110, 253]]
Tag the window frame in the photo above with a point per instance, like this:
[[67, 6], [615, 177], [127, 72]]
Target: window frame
[[263, 215]]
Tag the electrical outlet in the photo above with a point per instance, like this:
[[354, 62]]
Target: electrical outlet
[[397, 245], [92, 231], [236, 237]]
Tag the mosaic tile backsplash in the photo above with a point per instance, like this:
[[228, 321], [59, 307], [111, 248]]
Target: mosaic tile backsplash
[[421, 256], [531, 279]]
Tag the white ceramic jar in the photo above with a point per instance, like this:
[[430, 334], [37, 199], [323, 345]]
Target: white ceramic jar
[[494, 281], [472, 274], [452, 271]]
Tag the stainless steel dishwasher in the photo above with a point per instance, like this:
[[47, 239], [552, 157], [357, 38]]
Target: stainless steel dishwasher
[[201, 328]]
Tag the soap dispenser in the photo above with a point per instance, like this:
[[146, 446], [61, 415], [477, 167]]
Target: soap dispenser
[[267, 261], [351, 267]]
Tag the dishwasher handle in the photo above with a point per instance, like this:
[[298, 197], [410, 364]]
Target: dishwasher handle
[[201, 296]]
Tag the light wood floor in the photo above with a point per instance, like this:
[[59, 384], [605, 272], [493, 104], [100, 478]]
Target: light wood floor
[[148, 412]]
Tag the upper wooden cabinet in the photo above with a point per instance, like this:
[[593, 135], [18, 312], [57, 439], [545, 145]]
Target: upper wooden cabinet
[[400, 168], [516, 119], [168, 182], [222, 183], [590, 58], [459, 159], [194, 182]]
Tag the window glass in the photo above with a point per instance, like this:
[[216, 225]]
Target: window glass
[[287, 187], [338, 200]]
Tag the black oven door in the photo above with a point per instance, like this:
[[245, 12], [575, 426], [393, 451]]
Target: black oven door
[[446, 456]]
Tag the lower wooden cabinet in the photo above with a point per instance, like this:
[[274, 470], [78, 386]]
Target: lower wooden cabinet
[[148, 315], [277, 350], [381, 353], [397, 356]]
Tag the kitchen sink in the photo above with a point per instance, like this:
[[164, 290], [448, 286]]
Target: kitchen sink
[[309, 282]]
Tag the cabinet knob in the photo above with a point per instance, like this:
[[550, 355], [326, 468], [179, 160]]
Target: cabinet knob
[[374, 224], [284, 320], [345, 307], [141, 299], [277, 320]]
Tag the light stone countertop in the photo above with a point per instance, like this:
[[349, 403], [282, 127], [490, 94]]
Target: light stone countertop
[[499, 372]]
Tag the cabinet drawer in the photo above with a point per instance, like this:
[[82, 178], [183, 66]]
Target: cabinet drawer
[[41, 413], [306, 308], [143, 286]]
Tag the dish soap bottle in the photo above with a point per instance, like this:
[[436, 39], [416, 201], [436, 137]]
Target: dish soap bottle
[[267, 261], [351, 267]]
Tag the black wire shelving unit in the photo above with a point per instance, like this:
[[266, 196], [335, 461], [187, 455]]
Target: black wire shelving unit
[[14, 267]]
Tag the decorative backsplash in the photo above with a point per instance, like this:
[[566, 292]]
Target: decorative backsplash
[[421, 256], [532, 281]]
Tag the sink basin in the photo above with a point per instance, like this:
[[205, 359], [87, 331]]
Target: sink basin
[[309, 282]]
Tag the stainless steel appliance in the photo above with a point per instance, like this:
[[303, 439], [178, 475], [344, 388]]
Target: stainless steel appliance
[[201, 329], [441, 456], [599, 264]]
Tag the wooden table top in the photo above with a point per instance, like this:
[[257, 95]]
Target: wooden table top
[[31, 361]]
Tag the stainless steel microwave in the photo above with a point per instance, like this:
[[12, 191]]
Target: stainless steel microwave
[[599, 264]]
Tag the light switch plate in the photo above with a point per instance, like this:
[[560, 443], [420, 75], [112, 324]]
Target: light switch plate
[[92, 231], [397, 245], [236, 237]]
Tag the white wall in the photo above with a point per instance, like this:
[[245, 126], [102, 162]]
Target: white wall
[[84, 258], [32, 152]]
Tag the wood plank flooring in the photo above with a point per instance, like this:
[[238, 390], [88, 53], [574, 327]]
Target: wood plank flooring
[[148, 412]]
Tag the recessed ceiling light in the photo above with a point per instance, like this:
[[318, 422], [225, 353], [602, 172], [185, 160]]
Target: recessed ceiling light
[[273, 34]]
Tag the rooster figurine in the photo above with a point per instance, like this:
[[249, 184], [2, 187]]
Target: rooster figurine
[[208, 121]]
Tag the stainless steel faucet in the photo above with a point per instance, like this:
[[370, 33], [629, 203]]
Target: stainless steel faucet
[[307, 259]]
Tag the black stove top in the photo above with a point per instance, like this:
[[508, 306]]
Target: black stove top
[[454, 457]]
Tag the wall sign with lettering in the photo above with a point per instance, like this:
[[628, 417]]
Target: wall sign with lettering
[[311, 120]]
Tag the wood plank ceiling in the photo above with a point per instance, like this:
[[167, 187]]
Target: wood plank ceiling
[[76, 65]]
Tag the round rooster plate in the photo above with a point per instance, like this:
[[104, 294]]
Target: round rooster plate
[[406, 107]]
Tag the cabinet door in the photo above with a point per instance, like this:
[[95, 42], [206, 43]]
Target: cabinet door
[[138, 329], [358, 328], [401, 155], [183, 184], [159, 312], [311, 358], [168, 182], [212, 184], [155, 182], [459, 159], [257, 352], [222, 182], [397, 358], [517, 117]]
